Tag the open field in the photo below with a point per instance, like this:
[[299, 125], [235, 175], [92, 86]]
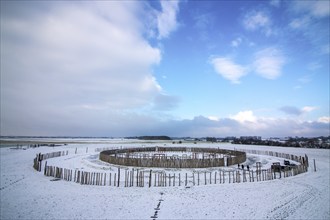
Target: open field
[[28, 194]]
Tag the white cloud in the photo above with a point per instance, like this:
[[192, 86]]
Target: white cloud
[[258, 20], [317, 9], [324, 119], [87, 54], [228, 69], [166, 20], [269, 62], [75, 63], [244, 116], [307, 109], [213, 118], [302, 22], [236, 42]]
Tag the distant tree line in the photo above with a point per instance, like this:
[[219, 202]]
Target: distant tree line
[[162, 137], [316, 142]]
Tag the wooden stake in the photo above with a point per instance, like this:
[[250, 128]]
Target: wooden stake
[[150, 178], [118, 176], [198, 177]]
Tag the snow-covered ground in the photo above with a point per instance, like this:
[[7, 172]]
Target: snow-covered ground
[[28, 194]]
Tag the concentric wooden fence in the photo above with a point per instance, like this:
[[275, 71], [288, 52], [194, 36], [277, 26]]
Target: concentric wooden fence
[[147, 177]]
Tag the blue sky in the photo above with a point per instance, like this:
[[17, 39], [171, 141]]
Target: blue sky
[[178, 68]]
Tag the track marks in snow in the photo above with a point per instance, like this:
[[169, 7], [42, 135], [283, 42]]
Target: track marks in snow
[[7, 181], [157, 209], [294, 202]]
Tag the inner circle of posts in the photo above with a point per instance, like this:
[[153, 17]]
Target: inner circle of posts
[[185, 158]]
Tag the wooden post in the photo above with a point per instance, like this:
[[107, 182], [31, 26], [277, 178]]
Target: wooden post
[[118, 176], [40, 165], [114, 179], [215, 177], [132, 177], [158, 177], [125, 178], [314, 166], [45, 168], [220, 176], [223, 176], [137, 177], [75, 151], [155, 179], [198, 177], [186, 180], [179, 179], [128, 180], [150, 178]]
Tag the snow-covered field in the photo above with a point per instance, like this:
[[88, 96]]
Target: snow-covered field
[[27, 194]]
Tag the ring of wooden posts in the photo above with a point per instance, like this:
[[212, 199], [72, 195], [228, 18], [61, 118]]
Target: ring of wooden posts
[[215, 157]]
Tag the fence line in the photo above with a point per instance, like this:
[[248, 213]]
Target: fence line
[[154, 178], [142, 178], [37, 161]]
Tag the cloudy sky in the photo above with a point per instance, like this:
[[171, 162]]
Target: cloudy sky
[[187, 68]]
